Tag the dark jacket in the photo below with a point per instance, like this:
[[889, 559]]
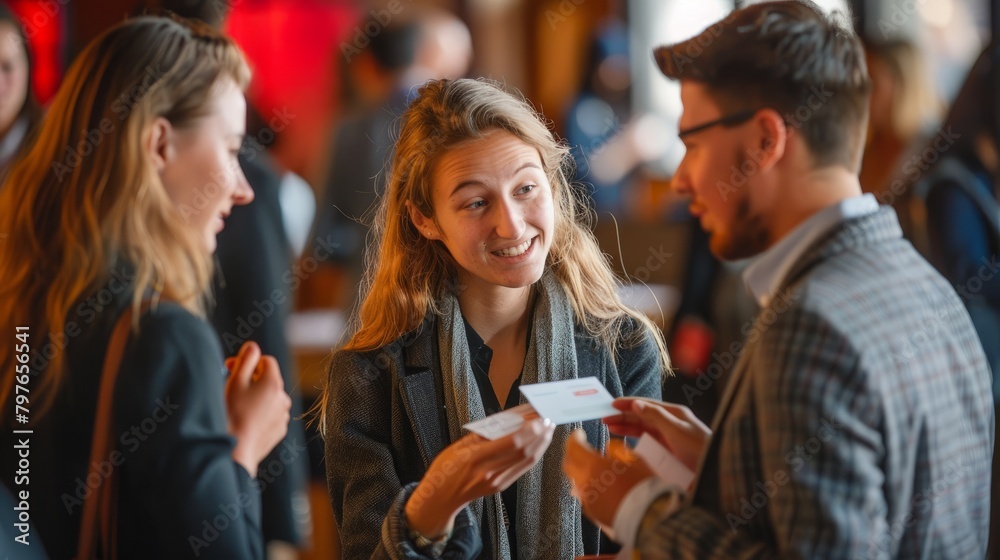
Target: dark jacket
[[252, 300], [386, 422], [180, 493]]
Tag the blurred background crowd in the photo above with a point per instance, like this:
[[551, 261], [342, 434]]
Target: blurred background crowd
[[332, 76]]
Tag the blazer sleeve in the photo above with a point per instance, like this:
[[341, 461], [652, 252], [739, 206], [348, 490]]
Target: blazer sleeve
[[831, 506], [172, 417], [367, 496], [639, 364]]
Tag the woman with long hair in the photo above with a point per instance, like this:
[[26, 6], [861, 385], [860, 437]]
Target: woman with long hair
[[19, 110], [114, 207], [483, 277]]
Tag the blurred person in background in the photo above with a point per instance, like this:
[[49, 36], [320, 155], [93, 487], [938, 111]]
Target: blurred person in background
[[903, 111], [19, 110], [484, 276], [958, 173], [252, 302], [132, 222], [962, 209], [380, 80], [599, 111]]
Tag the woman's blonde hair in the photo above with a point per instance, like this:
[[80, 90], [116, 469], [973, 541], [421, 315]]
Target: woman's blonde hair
[[86, 198], [406, 273]]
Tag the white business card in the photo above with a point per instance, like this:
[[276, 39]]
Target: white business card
[[502, 423], [570, 400]]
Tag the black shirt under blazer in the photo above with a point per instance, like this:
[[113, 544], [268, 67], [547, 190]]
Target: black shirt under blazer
[[385, 423]]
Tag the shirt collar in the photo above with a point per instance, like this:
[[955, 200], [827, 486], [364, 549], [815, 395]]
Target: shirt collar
[[767, 271]]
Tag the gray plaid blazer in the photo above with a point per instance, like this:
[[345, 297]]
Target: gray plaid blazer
[[858, 422]]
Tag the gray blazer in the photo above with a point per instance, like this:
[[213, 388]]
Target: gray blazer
[[386, 423], [858, 422]]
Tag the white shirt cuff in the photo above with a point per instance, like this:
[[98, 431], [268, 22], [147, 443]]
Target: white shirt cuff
[[633, 508]]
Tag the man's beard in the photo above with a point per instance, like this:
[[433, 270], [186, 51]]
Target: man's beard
[[747, 236]]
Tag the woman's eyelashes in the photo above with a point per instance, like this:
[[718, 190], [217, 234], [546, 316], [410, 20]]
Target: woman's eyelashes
[[520, 192]]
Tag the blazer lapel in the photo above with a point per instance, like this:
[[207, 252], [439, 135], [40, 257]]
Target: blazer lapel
[[725, 403], [421, 394]]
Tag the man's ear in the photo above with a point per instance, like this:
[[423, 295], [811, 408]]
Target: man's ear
[[159, 143], [424, 225], [772, 138]]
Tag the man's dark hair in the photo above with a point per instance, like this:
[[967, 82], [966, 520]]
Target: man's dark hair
[[212, 12], [787, 56]]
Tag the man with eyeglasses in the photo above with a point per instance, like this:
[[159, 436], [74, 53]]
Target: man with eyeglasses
[[858, 421]]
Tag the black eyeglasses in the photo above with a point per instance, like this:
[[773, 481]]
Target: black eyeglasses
[[729, 120]]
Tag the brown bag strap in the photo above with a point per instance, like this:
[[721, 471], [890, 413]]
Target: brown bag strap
[[105, 497]]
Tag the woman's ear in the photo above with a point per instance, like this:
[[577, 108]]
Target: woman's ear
[[159, 143], [424, 225]]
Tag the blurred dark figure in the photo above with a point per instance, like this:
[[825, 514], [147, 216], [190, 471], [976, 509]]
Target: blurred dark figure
[[375, 92], [19, 110], [599, 112], [963, 218], [903, 111], [378, 82], [962, 212], [212, 12], [707, 334], [253, 302]]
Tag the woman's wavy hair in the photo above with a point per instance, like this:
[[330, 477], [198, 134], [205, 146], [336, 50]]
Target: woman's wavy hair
[[406, 274], [86, 199]]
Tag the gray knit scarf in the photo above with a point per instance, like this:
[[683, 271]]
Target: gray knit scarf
[[548, 518]]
